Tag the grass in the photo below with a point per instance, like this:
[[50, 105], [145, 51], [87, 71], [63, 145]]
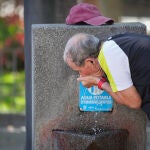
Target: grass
[[12, 92]]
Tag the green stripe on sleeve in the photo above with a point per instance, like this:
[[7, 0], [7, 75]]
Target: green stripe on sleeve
[[104, 65]]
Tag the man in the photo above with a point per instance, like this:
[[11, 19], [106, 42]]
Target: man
[[123, 59]]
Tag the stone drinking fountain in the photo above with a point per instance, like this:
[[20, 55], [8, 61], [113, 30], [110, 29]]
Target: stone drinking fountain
[[58, 123]]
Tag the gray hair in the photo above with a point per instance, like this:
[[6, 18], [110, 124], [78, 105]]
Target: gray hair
[[81, 46]]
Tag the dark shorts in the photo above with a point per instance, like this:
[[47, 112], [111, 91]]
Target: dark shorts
[[146, 109]]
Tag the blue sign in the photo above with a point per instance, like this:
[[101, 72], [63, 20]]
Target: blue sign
[[94, 99]]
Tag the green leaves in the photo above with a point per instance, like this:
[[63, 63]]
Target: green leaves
[[12, 97]]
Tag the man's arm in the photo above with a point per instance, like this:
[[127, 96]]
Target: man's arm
[[129, 97]]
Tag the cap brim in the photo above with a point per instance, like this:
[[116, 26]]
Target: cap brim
[[99, 20]]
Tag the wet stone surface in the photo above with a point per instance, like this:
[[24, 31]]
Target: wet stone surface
[[107, 139]]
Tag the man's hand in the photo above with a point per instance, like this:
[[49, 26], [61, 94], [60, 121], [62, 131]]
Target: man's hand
[[89, 81]]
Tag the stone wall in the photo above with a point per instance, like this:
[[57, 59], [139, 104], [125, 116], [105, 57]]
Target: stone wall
[[56, 92]]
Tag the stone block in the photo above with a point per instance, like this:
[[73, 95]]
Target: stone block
[[55, 90]]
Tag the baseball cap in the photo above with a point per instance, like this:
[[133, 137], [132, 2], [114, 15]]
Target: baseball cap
[[88, 14]]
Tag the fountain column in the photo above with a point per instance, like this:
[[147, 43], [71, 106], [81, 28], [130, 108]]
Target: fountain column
[[55, 97]]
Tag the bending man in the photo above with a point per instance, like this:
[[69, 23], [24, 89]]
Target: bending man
[[124, 60]]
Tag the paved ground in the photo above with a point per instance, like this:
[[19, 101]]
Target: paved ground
[[12, 132], [12, 138]]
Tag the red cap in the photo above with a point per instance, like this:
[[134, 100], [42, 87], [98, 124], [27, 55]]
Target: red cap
[[87, 13]]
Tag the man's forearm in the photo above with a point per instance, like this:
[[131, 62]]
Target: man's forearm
[[108, 89], [129, 97]]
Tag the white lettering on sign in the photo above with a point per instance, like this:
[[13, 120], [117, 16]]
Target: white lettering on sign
[[101, 97], [101, 102], [86, 97], [98, 97]]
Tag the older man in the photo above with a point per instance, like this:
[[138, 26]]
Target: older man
[[124, 60]]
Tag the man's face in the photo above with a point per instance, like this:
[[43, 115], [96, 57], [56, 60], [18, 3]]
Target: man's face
[[85, 70]]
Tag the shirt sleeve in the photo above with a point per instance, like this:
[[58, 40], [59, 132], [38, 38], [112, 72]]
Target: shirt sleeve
[[115, 64]]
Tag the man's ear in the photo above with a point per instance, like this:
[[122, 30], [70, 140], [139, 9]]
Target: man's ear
[[90, 60]]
